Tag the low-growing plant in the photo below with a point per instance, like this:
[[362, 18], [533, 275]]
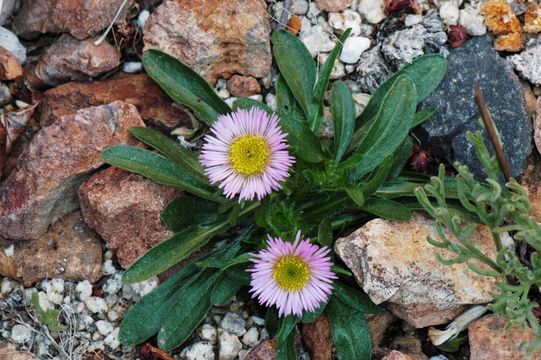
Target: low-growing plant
[[276, 177], [504, 209]]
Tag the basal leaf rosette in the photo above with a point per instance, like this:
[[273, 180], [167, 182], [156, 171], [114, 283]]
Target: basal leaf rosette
[[246, 154]]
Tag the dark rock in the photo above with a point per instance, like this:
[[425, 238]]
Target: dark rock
[[445, 133]]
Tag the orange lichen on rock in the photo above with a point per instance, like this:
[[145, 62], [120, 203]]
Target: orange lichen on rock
[[501, 20], [532, 19]]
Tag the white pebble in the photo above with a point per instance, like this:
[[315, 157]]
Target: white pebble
[[113, 284], [473, 21], [344, 20], [108, 268], [44, 302], [10, 249], [372, 10], [112, 339], [6, 286], [258, 321], [412, 19], [251, 338], [96, 305], [104, 327], [270, 100], [316, 39], [55, 290], [83, 290], [338, 70], [449, 13], [299, 7], [144, 287], [353, 49], [142, 18], [233, 323], [199, 351], [132, 67], [229, 345], [208, 332], [21, 334]]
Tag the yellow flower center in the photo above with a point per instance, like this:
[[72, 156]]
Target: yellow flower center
[[249, 155], [291, 273]]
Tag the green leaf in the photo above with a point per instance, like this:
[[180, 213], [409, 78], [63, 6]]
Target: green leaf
[[286, 103], [400, 158], [343, 112], [247, 104], [355, 299], [302, 142], [171, 251], [377, 177], [387, 209], [287, 325], [187, 312], [323, 81], [296, 66], [356, 194], [224, 290], [158, 168], [349, 331], [184, 158], [187, 210], [324, 233], [143, 320], [422, 116], [310, 317], [393, 121], [184, 85], [272, 321], [286, 350]]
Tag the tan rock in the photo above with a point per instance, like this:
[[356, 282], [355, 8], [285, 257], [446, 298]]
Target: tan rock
[[394, 263], [243, 86], [264, 351], [532, 19], [71, 59], [10, 69], [217, 38], [501, 20], [125, 210], [489, 340], [43, 186], [317, 337], [68, 250], [333, 5], [80, 18], [512, 42], [9, 352], [154, 106]]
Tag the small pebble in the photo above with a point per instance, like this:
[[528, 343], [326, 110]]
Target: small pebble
[[83, 290], [353, 49], [96, 305], [21, 334], [104, 327], [208, 332], [233, 323], [251, 338], [229, 346], [199, 351], [55, 290], [132, 67]]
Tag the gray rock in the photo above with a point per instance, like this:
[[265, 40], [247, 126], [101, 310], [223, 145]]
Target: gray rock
[[9, 41], [372, 70], [6, 9], [21, 334], [445, 133], [528, 64]]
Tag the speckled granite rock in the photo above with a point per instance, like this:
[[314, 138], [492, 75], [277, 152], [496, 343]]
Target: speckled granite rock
[[445, 133], [394, 263]]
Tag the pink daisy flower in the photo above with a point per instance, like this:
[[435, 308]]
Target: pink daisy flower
[[246, 153], [295, 277]]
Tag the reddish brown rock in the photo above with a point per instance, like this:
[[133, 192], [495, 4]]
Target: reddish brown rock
[[10, 69], [68, 250], [43, 186], [80, 18], [243, 86], [217, 38], [125, 210], [71, 59], [489, 340], [378, 323], [333, 5], [317, 337], [154, 106], [15, 123], [394, 263], [264, 351]]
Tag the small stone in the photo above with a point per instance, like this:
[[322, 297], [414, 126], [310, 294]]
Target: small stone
[[201, 350], [353, 48], [21, 334], [108, 267], [299, 7], [55, 290], [229, 346], [372, 70], [233, 323], [144, 287], [333, 5], [96, 305], [132, 67], [10, 69], [318, 338], [142, 19], [104, 327], [264, 351], [243, 86], [11, 43], [113, 284], [528, 64], [472, 20], [71, 59], [347, 19], [6, 286], [532, 19], [316, 39], [412, 19], [112, 339], [208, 332], [44, 301], [251, 338], [257, 320], [372, 10], [449, 13], [400, 278], [489, 339]]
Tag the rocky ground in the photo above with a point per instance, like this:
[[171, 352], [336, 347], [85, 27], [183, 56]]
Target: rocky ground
[[72, 84]]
